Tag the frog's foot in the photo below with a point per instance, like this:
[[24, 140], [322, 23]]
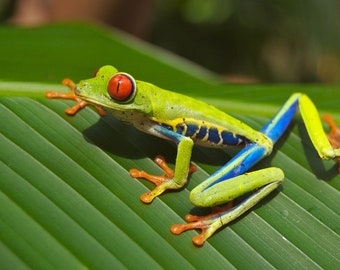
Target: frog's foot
[[207, 224], [333, 135], [162, 182], [71, 95]]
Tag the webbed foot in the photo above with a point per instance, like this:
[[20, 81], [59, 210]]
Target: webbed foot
[[72, 95], [333, 135], [162, 182], [207, 224]]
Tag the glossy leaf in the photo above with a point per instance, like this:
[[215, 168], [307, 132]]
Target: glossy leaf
[[67, 200]]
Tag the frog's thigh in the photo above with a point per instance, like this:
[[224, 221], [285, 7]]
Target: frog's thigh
[[229, 189]]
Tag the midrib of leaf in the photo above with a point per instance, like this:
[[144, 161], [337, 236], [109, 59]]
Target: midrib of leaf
[[89, 123], [247, 243]]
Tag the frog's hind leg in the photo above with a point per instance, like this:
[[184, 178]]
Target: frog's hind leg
[[219, 191], [232, 181], [209, 224], [333, 135]]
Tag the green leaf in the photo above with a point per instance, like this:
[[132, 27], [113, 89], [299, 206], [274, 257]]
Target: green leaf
[[67, 200]]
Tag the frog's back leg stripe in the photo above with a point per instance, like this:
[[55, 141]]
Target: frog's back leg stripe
[[238, 165], [254, 152], [279, 123]]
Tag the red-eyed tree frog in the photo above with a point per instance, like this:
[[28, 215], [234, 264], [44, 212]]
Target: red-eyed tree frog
[[187, 121]]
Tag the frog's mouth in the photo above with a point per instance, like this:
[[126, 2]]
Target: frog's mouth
[[89, 100], [77, 91]]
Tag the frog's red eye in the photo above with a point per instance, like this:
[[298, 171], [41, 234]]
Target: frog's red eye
[[121, 87]]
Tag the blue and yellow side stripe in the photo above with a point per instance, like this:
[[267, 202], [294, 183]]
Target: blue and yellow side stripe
[[203, 132]]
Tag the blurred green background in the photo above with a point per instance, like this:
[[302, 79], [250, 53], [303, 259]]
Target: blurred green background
[[243, 40], [82, 210]]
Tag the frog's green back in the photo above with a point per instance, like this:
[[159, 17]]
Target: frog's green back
[[173, 108]]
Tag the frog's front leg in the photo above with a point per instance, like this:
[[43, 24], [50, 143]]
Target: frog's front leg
[[80, 103], [172, 179]]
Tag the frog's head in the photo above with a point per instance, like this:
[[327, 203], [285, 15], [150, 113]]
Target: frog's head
[[113, 90]]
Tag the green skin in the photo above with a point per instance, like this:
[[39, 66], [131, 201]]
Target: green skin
[[151, 107]]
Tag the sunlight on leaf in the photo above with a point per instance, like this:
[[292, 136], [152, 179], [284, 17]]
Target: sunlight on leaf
[[67, 200]]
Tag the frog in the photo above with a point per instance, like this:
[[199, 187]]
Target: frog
[[187, 122]]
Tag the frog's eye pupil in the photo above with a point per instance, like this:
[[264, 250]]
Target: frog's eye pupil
[[121, 87]]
